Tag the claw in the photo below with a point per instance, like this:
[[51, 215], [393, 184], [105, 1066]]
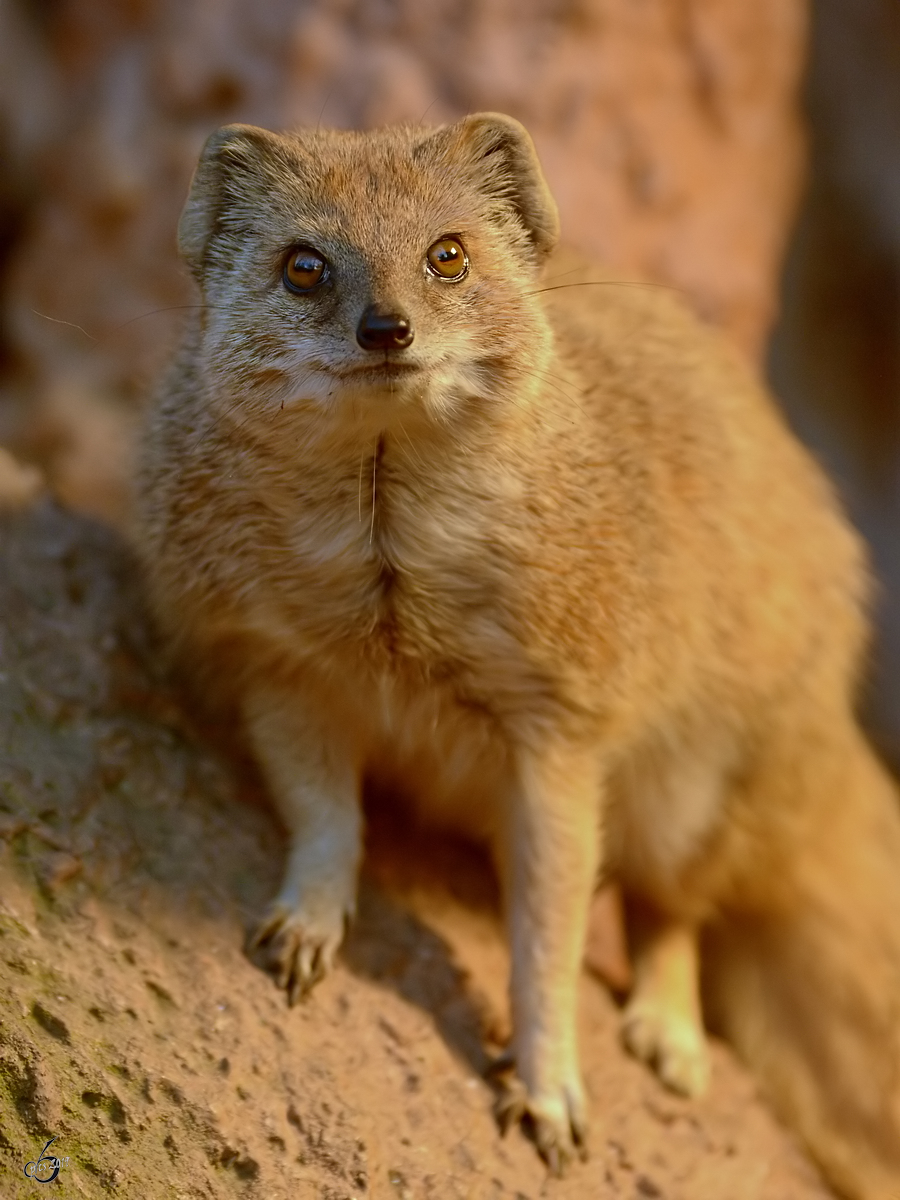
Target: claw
[[557, 1144], [552, 1157], [544, 1137], [296, 953], [263, 931], [511, 1105], [556, 1154], [502, 1065], [579, 1136]]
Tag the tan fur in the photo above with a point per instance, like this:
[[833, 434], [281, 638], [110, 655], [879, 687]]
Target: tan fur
[[570, 584]]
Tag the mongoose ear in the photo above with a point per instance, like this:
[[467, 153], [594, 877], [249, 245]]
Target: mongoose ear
[[506, 166], [230, 155]]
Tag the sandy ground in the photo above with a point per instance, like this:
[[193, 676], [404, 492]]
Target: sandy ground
[[134, 1030]]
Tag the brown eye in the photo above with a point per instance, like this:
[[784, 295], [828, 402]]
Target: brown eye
[[447, 259], [304, 269]]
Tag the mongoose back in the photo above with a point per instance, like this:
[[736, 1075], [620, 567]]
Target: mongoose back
[[547, 559]]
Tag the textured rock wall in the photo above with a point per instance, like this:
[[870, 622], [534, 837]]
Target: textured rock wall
[[168, 1067], [836, 352], [668, 128]]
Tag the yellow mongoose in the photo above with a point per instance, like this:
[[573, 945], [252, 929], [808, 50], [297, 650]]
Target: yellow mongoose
[[546, 558]]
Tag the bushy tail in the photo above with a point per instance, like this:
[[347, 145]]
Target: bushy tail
[[808, 992]]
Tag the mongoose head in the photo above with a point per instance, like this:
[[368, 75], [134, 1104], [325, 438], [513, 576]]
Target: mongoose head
[[366, 274]]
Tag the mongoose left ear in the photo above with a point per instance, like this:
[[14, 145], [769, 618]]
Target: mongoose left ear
[[506, 165], [227, 176]]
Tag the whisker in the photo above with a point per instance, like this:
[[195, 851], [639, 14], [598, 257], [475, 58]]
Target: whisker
[[374, 469], [324, 106], [71, 324], [416, 454], [557, 385], [156, 311], [554, 379], [667, 287], [564, 274], [236, 427], [428, 109], [131, 321]]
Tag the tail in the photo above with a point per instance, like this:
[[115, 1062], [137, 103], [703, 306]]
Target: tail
[[808, 993]]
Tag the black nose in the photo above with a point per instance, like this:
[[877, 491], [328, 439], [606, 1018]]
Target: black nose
[[384, 329]]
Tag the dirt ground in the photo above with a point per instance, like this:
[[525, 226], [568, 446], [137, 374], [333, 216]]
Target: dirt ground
[[134, 1031]]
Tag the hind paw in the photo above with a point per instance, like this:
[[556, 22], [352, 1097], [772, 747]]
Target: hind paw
[[669, 1042]]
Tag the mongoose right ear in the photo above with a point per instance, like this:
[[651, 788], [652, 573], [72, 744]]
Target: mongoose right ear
[[231, 156], [501, 155]]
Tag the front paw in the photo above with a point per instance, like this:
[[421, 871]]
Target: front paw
[[555, 1118], [295, 948]]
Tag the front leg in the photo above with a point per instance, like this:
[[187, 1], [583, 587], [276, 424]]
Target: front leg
[[312, 773], [549, 858]]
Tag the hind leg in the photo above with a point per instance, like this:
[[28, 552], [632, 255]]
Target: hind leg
[[663, 1024]]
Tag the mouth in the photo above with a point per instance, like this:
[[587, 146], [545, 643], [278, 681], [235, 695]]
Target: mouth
[[380, 370]]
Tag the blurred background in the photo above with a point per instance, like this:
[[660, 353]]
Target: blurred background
[[744, 153]]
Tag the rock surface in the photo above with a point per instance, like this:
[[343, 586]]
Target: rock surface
[[132, 1028], [669, 130], [135, 1032], [835, 355]]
